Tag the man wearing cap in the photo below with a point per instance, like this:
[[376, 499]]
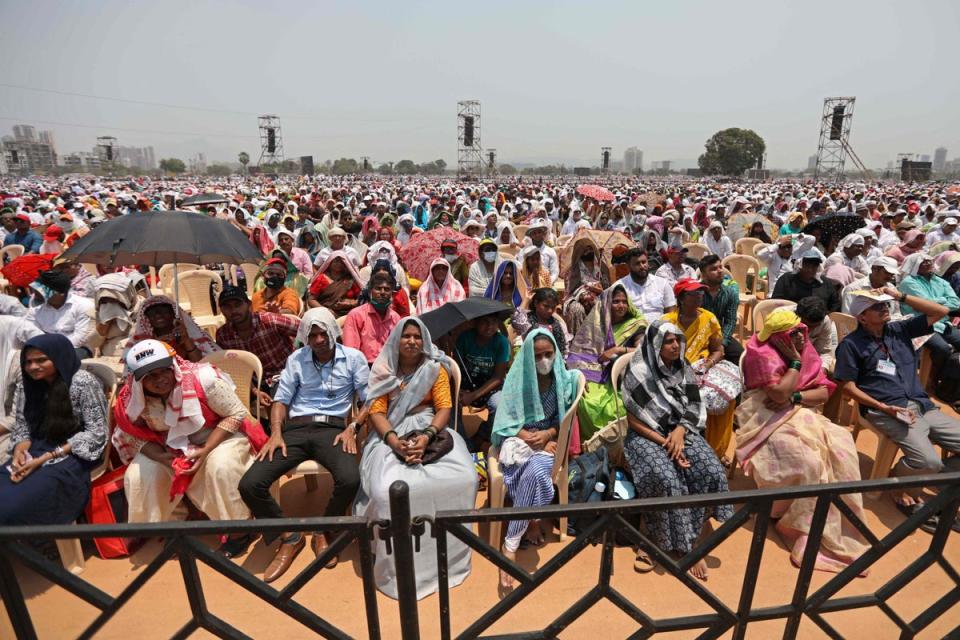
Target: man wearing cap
[[778, 257], [308, 422], [675, 269], [269, 336], [877, 367], [536, 236], [883, 272], [30, 240], [338, 242], [807, 281], [947, 232], [650, 293]]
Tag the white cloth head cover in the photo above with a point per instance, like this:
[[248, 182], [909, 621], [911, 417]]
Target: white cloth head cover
[[850, 240], [863, 300], [373, 253], [318, 317], [509, 227], [911, 264], [120, 288], [385, 381]]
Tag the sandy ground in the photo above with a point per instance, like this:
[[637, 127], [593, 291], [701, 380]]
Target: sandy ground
[[161, 606]]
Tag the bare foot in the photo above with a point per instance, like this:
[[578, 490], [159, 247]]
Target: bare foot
[[534, 534], [506, 580], [700, 571]]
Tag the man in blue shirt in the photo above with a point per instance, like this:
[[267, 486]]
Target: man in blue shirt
[[308, 422], [30, 240], [877, 366]]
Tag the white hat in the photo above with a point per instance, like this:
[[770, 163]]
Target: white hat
[[149, 355], [888, 264], [864, 299], [539, 223], [950, 221]]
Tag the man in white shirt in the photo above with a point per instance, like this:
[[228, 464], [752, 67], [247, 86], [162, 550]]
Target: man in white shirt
[[946, 232], [883, 273], [778, 257], [651, 294], [537, 235], [338, 242], [675, 269], [63, 312]]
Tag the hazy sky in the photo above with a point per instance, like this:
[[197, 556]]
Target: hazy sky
[[556, 80]]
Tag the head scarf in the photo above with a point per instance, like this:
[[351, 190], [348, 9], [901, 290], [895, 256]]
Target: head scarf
[[520, 399], [318, 317], [662, 397], [911, 264], [493, 289], [530, 281], [385, 379], [597, 334], [946, 260], [433, 296], [373, 253], [144, 330], [64, 357], [506, 224], [119, 288], [321, 280]]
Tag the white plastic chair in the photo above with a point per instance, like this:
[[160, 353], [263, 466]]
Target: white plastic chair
[[244, 368], [195, 288]]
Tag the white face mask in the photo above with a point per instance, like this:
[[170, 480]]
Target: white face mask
[[545, 365], [450, 257], [489, 256]]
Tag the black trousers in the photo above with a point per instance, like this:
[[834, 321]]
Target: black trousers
[[303, 443]]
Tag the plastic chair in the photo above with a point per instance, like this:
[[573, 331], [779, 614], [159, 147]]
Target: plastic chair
[[195, 288], [846, 324], [746, 246], [766, 307], [496, 490], [739, 266], [696, 250], [165, 276], [243, 368], [250, 272]]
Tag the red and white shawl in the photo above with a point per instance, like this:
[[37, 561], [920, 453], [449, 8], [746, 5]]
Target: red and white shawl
[[433, 296]]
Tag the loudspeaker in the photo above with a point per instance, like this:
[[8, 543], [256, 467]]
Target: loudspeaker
[[491, 157], [271, 141], [606, 160], [468, 131], [366, 165], [915, 171], [836, 125], [306, 165]]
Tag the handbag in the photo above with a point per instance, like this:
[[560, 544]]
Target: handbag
[[108, 505], [440, 446], [719, 386]]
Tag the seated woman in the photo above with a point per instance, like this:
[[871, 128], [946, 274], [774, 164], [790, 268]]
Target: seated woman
[[783, 442], [409, 392], [183, 431], [308, 240], [664, 448], [704, 339], [533, 275], [384, 251], [275, 297], [439, 288], [336, 285], [503, 287], [505, 235], [540, 312], [537, 393], [585, 266], [163, 319], [579, 303], [613, 328], [117, 303], [58, 437]]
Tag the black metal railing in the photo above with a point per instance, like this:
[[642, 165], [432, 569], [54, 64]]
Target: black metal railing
[[613, 518], [610, 520], [181, 541]]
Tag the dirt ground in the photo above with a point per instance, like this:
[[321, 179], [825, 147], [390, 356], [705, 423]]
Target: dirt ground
[[161, 607]]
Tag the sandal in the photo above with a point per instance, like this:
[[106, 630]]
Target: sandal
[[908, 510], [642, 563], [233, 547]]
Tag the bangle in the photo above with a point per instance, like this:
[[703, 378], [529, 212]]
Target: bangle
[[796, 398], [796, 365], [430, 432], [58, 452], [387, 435]]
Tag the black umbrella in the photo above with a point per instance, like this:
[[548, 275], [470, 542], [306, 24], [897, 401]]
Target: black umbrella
[[836, 225], [155, 238], [204, 198], [442, 321]]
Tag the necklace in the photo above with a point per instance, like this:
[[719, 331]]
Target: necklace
[[328, 384]]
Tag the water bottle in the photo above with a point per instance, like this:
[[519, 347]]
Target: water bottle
[[598, 491]]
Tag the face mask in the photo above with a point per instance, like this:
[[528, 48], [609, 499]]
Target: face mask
[[450, 257], [380, 306], [275, 282], [545, 365], [588, 257], [489, 256]]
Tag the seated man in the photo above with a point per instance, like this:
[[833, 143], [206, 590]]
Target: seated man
[[308, 422], [877, 367], [276, 297], [919, 281], [883, 272], [807, 281], [822, 332], [338, 242], [269, 336], [651, 294], [483, 354], [23, 235], [722, 298], [368, 326], [675, 269], [63, 311]]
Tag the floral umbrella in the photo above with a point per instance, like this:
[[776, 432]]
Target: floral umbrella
[[424, 248], [596, 192], [739, 224]]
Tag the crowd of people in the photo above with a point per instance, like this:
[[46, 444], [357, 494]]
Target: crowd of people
[[354, 380]]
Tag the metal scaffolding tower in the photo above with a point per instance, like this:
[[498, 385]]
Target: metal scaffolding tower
[[271, 140], [469, 149], [605, 160], [834, 145]]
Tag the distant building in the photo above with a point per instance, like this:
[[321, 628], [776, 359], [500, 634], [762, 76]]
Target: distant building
[[939, 159], [925, 157], [632, 160], [812, 163], [26, 153], [82, 161], [198, 164], [137, 158], [24, 133]]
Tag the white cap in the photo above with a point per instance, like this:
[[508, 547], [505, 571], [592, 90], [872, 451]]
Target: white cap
[[149, 355]]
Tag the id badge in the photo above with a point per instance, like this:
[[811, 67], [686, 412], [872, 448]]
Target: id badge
[[887, 367]]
